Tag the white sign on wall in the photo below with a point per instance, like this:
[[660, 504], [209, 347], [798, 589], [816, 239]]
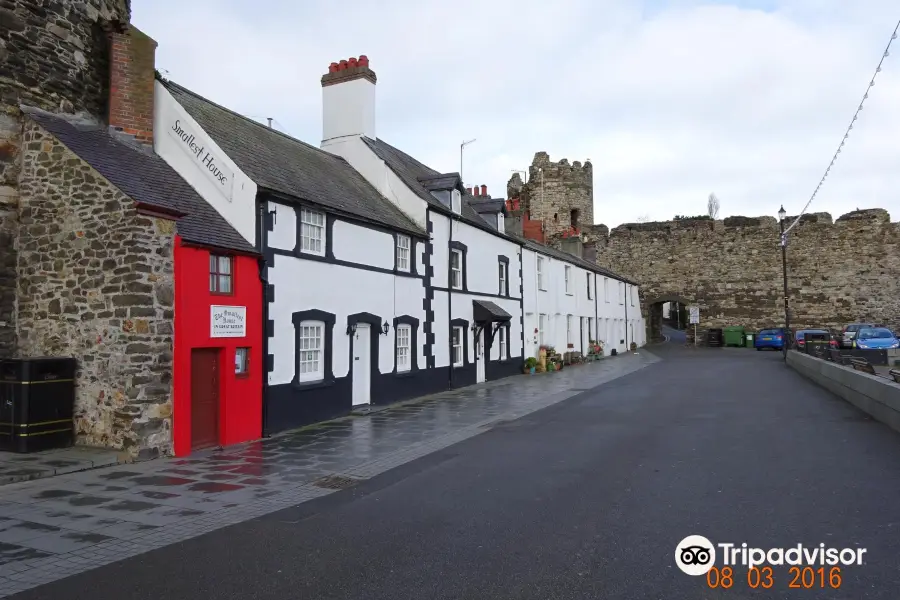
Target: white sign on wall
[[695, 314], [211, 165], [228, 321]]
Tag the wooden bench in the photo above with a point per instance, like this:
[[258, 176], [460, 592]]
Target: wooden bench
[[861, 364], [895, 375]]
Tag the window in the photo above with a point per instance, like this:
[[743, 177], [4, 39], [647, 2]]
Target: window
[[568, 280], [312, 232], [573, 217], [455, 201], [631, 295], [242, 361], [590, 328], [311, 365], [502, 278], [403, 355], [542, 325], [220, 274], [500, 222], [588, 276], [540, 273], [403, 253], [621, 294], [568, 329], [457, 347], [456, 269], [502, 332], [606, 289]]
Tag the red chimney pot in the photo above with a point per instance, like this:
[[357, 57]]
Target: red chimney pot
[[342, 65], [351, 62], [363, 60], [476, 190], [484, 190], [332, 67], [468, 189]]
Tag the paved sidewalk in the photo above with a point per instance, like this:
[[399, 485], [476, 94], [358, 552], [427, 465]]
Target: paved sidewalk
[[25, 467], [53, 528]]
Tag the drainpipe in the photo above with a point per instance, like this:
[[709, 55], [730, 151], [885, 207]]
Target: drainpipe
[[596, 312], [450, 303], [626, 316], [263, 277]]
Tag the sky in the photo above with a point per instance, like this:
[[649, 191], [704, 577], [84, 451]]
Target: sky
[[671, 100]]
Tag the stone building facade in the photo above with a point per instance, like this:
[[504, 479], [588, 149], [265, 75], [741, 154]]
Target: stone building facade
[[839, 271], [53, 55], [96, 283]]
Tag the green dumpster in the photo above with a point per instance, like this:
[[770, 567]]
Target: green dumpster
[[750, 337], [734, 335]]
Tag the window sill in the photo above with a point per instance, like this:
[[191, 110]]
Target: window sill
[[312, 385], [459, 365], [311, 253], [407, 373]]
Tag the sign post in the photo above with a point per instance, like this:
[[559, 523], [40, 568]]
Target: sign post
[[695, 318]]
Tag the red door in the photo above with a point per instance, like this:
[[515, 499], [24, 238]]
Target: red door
[[204, 398]]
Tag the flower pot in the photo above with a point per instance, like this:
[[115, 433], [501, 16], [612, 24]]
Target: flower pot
[[531, 370]]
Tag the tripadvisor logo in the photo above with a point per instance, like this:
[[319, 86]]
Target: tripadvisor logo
[[695, 555]]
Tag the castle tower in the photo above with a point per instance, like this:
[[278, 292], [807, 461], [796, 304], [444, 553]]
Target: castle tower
[[54, 56]]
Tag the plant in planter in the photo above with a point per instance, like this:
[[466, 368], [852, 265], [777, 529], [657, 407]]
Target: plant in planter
[[530, 364], [633, 346]]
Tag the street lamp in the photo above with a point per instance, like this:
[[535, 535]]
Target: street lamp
[[787, 315], [461, 148]]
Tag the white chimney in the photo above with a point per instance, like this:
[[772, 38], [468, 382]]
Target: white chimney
[[348, 100]]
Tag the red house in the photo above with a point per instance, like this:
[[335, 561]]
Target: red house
[[218, 378]]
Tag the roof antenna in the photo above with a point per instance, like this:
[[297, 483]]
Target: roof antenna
[[270, 122]]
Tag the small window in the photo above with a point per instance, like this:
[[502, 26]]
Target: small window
[[542, 326], [631, 295], [456, 269], [568, 280], [458, 346], [220, 274], [573, 217], [456, 201], [621, 294], [568, 329], [310, 363], [403, 341], [606, 289], [242, 361], [502, 333], [588, 276], [500, 223], [540, 273], [312, 232], [403, 253], [502, 278]]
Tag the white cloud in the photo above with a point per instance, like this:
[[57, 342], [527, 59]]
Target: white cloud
[[670, 100]]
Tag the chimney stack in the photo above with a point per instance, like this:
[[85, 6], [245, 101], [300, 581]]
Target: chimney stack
[[475, 190], [484, 190], [469, 190], [348, 100], [132, 78]]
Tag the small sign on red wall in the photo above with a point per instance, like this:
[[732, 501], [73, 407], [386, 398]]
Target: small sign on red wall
[[228, 321]]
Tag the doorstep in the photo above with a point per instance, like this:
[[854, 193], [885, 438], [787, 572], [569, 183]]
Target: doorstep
[[15, 467]]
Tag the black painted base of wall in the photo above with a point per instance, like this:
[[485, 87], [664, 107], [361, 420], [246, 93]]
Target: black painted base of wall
[[292, 406]]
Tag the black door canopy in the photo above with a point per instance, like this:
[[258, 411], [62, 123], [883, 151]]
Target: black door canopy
[[484, 311]]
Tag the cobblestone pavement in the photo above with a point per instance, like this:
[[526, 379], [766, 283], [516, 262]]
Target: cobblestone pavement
[[54, 528], [24, 467]]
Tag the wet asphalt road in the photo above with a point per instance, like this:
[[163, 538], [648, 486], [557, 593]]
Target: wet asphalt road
[[585, 499]]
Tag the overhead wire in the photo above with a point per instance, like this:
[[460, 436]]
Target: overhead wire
[[847, 132]]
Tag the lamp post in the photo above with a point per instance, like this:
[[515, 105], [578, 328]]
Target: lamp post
[[461, 148], [787, 314]]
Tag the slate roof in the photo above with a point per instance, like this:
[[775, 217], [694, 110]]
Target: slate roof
[[571, 258], [413, 173], [144, 177], [280, 163], [485, 206]]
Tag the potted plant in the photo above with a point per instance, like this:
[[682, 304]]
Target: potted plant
[[633, 346], [530, 364]]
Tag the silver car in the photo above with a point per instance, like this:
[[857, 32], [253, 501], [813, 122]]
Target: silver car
[[848, 334]]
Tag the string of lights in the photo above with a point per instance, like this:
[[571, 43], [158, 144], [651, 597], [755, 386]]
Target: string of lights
[[847, 132]]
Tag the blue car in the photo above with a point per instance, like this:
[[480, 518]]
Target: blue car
[[769, 338], [875, 338]]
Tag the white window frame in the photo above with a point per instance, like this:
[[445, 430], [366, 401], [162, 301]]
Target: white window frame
[[502, 332], [457, 273], [312, 232], [458, 346], [503, 273], [606, 289], [456, 201], [500, 223], [542, 325], [569, 330], [404, 341], [589, 292], [404, 243], [540, 273], [631, 295], [311, 359], [568, 275], [621, 294]]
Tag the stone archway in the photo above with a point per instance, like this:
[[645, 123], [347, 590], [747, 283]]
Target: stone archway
[[652, 305]]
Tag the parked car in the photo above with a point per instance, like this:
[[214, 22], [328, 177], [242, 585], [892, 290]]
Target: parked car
[[814, 334], [849, 332], [875, 338], [769, 338]]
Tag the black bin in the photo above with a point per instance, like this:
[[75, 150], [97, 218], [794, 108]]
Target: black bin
[[37, 402], [714, 338]]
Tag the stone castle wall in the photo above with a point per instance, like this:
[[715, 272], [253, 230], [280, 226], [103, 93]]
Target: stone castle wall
[[838, 271], [54, 54], [96, 283]]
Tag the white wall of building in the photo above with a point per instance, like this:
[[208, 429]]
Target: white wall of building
[[303, 284], [483, 252], [183, 144]]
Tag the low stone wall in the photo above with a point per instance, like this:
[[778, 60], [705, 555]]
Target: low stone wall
[[877, 396]]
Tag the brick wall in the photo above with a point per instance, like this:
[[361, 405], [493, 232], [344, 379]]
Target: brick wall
[[132, 84], [96, 283]]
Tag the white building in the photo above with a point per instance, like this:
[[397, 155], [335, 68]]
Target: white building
[[569, 301], [472, 268]]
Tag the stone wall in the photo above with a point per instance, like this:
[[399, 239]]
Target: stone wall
[[566, 187], [96, 283], [838, 271], [54, 54]]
